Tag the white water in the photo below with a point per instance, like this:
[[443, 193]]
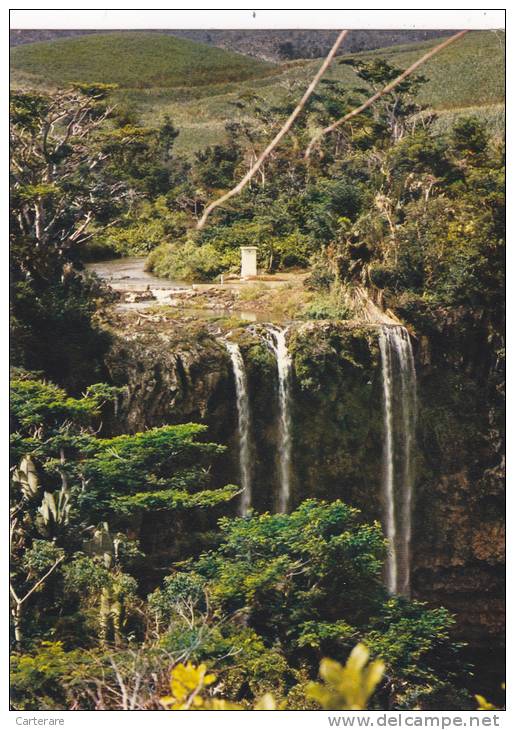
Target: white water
[[243, 408], [388, 463], [277, 342], [400, 403]]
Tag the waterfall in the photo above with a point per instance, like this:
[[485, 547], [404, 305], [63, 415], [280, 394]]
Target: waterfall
[[277, 341], [388, 463], [243, 408], [400, 412]]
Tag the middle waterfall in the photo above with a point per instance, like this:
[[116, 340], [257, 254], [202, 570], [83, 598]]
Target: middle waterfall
[[243, 408], [400, 406], [277, 342]]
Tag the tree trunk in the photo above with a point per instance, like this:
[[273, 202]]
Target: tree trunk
[[17, 619], [103, 617]]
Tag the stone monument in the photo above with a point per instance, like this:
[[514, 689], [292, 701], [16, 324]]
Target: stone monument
[[248, 261]]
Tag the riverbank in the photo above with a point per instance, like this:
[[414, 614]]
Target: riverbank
[[273, 297]]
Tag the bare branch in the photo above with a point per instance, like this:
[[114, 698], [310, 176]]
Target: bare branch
[[383, 91], [40, 582], [284, 129]]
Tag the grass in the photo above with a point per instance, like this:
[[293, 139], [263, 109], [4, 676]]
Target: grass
[[470, 72], [133, 60], [289, 301], [492, 116], [467, 77]]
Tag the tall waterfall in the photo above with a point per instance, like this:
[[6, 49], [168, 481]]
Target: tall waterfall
[[277, 341], [243, 408], [400, 413]]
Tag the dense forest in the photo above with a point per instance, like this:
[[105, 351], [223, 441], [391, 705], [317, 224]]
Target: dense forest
[[137, 580]]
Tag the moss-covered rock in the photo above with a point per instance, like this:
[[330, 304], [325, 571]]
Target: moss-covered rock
[[337, 414]]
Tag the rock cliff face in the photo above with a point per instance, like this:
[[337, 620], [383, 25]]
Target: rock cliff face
[[458, 558], [173, 376], [176, 372]]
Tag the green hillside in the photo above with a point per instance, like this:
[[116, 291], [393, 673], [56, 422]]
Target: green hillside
[[133, 60], [467, 74], [470, 72], [196, 85]]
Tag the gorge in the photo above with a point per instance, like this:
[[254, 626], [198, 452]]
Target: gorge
[[175, 371]]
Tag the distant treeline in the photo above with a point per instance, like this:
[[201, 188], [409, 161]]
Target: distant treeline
[[271, 45]]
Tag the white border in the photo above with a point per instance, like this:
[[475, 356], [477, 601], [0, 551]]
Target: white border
[[256, 18], [191, 18]]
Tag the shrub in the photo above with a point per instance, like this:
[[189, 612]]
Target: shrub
[[186, 262], [321, 274], [332, 305], [346, 687]]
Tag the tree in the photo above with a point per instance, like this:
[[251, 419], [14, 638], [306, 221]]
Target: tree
[[140, 157], [389, 87], [309, 585], [58, 195], [98, 578], [56, 188], [67, 482], [280, 134], [48, 428], [399, 104], [72, 179]]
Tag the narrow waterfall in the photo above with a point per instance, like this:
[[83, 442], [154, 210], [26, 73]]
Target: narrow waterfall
[[243, 408], [277, 342], [388, 462], [400, 412]]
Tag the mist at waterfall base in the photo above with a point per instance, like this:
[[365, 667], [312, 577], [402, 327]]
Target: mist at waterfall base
[[400, 411]]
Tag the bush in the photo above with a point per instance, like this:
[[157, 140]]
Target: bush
[[332, 305], [321, 275], [37, 679], [382, 277], [275, 250], [282, 575], [186, 262], [144, 229], [295, 249], [53, 329], [100, 250]]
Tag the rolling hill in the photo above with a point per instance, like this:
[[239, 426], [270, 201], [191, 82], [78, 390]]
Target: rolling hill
[[197, 84], [270, 44], [467, 77], [132, 60]]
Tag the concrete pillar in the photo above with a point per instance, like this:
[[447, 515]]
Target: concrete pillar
[[248, 261]]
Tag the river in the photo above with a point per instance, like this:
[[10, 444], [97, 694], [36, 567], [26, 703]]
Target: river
[[128, 274]]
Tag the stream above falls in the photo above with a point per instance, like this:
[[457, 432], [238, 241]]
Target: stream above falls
[[128, 274]]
